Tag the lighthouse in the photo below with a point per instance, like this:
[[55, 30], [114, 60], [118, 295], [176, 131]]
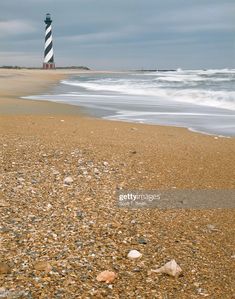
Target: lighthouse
[[48, 49]]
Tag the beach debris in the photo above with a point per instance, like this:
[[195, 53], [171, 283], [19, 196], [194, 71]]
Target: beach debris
[[68, 180], [106, 276], [43, 266], [105, 163], [4, 268], [171, 268], [134, 254], [62, 120]]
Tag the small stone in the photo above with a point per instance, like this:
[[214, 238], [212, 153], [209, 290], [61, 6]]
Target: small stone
[[56, 172], [96, 171], [4, 293], [79, 244], [105, 163], [68, 180], [43, 266], [4, 268], [202, 292], [3, 203], [211, 227], [49, 206], [106, 276], [136, 269], [21, 180], [142, 241], [134, 254], [80, 215]]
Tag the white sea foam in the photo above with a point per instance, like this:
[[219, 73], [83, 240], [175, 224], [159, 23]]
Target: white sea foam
[[203, 100], [214, 98]]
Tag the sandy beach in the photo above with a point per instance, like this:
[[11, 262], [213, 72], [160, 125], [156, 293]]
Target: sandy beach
[[76, 229]]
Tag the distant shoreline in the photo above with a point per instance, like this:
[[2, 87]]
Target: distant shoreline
[[40, 68]]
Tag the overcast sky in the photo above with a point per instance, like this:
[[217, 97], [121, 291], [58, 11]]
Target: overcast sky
[[121, 34]]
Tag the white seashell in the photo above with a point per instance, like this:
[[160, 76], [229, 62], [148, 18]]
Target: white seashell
[[68, 180], [134, 254], [171, 268]]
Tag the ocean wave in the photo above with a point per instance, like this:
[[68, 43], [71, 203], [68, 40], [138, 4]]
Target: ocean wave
[[220, 99]]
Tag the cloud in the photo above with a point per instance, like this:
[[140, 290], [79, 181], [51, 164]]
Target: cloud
[[15, 27], [110, 33]]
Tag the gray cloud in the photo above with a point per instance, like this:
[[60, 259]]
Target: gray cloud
[[121, 34]]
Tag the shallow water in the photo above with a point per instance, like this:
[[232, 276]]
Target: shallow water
[[200, 100]]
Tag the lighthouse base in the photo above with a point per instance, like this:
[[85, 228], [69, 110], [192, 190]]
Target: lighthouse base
[[47, 66]]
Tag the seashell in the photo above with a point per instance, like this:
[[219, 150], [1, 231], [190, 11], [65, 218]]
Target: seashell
[[107, 276], [171, 268], [134, 254], [68, 180]]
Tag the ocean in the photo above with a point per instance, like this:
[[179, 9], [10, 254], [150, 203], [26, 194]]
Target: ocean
[[200, 100]]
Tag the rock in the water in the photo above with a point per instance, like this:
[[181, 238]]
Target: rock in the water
[[4, 268], [134, 254], [68, 180], [171, 268], [107, 276]]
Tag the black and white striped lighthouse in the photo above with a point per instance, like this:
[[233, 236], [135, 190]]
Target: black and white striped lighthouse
[[48, 50]]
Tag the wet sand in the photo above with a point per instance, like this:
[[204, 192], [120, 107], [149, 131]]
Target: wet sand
[[78, 228]]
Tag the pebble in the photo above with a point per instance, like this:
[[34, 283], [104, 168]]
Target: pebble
[[142, 241], [96, 171], [80, 215], [68, 180], [43, 266], [134, 254], [106, 276], [211, 227], [4, 268]]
